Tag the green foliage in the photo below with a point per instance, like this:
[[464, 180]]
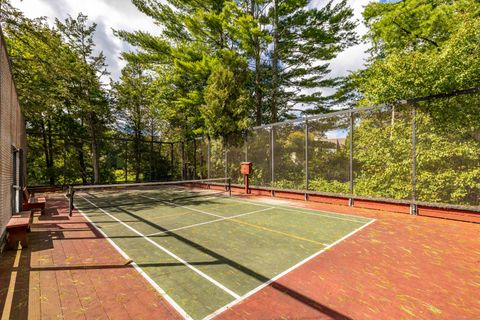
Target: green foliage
[[59, 89], [333, 186], [225, 108], [422, 48], [382, 154]]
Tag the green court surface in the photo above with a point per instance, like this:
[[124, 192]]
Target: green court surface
[[205, 252]]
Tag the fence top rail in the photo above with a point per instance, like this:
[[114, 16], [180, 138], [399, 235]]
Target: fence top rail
[[380, 106]]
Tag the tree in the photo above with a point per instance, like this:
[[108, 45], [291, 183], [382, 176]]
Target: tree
[[422, 48], [91, 103], [42, 67], [133, 108], [288, 44], [304, 40], [226, 100]]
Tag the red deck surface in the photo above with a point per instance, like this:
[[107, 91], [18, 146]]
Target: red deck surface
[[70, 271], [399, 267]]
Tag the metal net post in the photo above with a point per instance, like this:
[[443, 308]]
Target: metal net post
[[70, 202]]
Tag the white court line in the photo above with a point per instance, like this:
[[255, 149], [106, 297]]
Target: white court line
[[184, 207], [286, 208], [207, 277], [208, 222], [162, 292], [248, 294], [304, 210]]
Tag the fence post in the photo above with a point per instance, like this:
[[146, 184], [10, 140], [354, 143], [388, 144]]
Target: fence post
[[225, 150], [272, 146], [413, 205], [245, 145], [350, 200], [195, 158], [64, 162], [151, 158], [126, 161], [209, 167], [306, 158], [182, 146], [172, 169]]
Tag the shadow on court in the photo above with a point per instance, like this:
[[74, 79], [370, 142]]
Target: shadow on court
[[220, 259]]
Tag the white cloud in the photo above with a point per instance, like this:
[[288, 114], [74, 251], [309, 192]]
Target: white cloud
[[354, 57], [107, 14]]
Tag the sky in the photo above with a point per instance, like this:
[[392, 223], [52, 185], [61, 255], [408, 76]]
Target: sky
[[123, 15]]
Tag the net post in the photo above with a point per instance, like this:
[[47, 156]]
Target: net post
[[230, 187], [70, 200]]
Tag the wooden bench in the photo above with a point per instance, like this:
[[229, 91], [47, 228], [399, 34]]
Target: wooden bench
[[32, 203], [17, 228]]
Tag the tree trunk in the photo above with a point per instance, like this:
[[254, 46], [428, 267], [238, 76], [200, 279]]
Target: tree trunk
[[47, 155], [50, 154], [81, 161], [274, 106], [137, 156], [94, 143]]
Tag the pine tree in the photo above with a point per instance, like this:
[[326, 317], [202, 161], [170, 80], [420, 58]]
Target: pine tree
[[91, 97]]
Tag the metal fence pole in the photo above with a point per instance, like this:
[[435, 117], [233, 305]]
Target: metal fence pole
[[272, 145], [350, 200], [195, 159], [182, 149], [245, 144], [64, 170], [306, 158], [172, 170], [225, 150], [413, 206], [125, 163], [209, 165]]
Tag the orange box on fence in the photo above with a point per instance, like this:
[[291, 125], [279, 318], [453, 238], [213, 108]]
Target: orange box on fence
[[246, 167]]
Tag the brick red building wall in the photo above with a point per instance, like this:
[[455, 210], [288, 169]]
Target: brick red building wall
[[12, 137]]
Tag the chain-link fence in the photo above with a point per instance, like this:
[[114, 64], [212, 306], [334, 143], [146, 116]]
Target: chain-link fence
[[423, 150]]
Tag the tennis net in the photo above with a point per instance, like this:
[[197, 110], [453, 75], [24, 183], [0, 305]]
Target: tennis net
[[130, 193]]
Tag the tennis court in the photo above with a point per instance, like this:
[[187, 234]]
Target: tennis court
[[204, 250]]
